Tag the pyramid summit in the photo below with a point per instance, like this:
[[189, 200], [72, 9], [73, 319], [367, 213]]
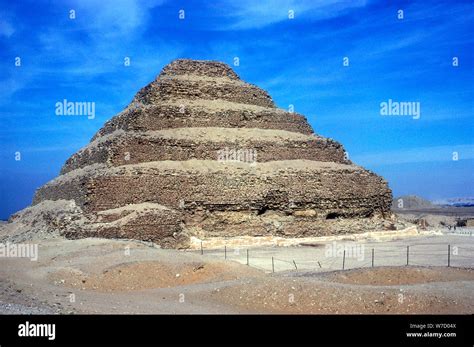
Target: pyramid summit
[[174, 164]]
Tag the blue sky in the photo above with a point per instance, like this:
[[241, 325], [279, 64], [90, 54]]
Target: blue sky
[[299, 61]]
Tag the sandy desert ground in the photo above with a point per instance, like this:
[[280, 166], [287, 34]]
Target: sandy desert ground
[[121, 276]]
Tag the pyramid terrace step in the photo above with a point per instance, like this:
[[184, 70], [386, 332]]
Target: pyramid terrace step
[[222, 144], [182, 113]]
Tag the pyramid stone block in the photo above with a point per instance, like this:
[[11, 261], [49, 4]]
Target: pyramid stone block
[[155, 171]]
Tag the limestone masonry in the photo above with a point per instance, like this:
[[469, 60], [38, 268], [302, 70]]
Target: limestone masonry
[[152, 172]]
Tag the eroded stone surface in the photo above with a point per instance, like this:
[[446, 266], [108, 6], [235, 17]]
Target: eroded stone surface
[[152, 172]]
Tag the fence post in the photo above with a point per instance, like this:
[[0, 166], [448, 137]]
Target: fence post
[[449, 255], [273, 265], [247, 257], [372, 257], [225, 252], [202, 252], [344, 259], [408, 252]]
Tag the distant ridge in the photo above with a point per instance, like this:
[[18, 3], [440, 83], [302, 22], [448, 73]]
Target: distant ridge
[[455, 202]]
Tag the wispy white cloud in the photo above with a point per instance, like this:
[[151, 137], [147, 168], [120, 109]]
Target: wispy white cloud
[[110, 27], [6, 24], [249, 14], [93, 45], [9, 86], [114, 18], [6, 28]]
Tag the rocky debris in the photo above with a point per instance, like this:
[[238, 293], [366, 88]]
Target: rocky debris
[[15, 301], [153, 172]]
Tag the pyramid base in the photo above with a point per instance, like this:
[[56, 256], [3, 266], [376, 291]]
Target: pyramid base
[[170, 228]]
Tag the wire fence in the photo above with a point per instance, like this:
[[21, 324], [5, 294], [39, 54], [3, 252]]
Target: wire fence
[[277, 259]]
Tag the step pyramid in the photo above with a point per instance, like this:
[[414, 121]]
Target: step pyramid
[[199, 152]]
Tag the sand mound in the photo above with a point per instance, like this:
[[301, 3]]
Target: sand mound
[[321, 295], [149, 274]]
